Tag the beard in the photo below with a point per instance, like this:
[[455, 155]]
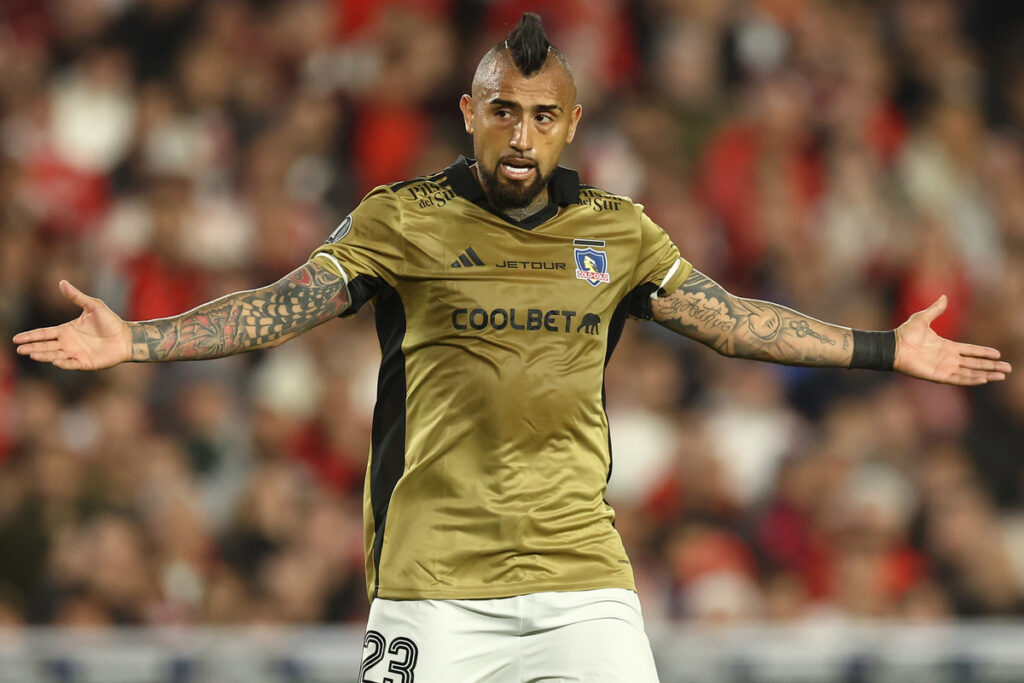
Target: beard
[[509, 194]]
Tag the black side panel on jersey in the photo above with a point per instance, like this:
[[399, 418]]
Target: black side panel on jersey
[[388, 432], [361, 289], [633, 304], [615, 327]]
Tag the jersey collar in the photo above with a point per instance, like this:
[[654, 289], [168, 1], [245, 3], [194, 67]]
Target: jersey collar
[[564, 189]]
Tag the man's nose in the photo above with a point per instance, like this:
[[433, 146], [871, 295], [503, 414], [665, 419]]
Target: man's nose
[[522, 140]]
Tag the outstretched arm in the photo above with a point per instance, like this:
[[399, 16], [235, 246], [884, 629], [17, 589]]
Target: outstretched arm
[[243, 321], [760, 330]]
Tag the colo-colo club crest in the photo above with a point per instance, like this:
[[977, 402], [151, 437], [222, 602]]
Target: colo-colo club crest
[[591, 264]]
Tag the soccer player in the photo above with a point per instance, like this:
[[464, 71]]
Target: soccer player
[[500, 287]]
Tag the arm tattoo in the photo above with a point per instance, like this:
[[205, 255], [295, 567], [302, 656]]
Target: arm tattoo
[[244, 321], [747, 328]]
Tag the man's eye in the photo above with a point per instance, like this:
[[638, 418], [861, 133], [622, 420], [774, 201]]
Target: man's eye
[[503, 113], [544, 118]]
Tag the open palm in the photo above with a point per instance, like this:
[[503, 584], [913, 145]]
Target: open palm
[[922, 353], [96, 339]]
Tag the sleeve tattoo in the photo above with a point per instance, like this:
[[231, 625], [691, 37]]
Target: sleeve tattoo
[[747, 328], [244, 321]]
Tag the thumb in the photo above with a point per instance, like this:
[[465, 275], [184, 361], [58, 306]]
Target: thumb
[[935, 310], [74, 295]]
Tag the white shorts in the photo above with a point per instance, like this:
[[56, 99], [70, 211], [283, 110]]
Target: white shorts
[[595, 636]]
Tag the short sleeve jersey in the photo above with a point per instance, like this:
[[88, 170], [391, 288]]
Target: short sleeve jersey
[[490, 449]]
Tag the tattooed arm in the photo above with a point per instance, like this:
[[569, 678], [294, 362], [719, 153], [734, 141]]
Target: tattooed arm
[[747, 328], [243, 321], [760, 330]]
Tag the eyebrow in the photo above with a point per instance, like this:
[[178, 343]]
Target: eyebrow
[[499, 102]]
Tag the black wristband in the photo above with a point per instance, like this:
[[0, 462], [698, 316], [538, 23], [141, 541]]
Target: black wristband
[[873, 350]]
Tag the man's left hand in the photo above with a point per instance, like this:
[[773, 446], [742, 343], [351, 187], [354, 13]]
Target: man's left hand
[[922, 353]]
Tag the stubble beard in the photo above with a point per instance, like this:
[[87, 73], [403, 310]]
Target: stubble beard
[[506, 194]]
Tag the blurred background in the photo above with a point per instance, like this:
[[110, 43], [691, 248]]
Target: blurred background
[[852, 159]]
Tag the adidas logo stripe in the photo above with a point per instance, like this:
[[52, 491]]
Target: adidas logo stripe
[[467, 259]]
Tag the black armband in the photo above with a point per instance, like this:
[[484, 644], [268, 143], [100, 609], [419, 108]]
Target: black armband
[[873, 350]]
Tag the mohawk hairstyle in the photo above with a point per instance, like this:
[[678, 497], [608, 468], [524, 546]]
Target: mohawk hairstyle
[[528, 44], [528, 47]]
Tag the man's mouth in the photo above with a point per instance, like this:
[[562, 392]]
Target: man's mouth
[[517, 169]]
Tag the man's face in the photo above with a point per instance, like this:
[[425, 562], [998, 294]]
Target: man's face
[[519, 126]]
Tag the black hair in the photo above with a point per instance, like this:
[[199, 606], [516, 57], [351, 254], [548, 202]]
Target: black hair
[[528, 44]]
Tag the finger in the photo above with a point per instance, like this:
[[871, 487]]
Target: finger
[[38, 334], [75, 295], [984, 364], [937, 308], [68, 364], [974, 378], [48, 356], [968, 379], [977, 351], [37, 347]]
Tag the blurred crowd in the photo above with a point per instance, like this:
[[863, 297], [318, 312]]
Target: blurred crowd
[[851, 159]]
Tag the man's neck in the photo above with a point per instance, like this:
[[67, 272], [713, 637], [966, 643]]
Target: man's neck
[[520, 215], [517, 214]]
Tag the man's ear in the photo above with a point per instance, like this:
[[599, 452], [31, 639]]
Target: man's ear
[[466, 105], [574, 119]]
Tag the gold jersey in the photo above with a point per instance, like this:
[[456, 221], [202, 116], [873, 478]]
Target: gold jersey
[[490, 451]]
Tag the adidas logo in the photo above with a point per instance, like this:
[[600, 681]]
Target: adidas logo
[[467, 259]]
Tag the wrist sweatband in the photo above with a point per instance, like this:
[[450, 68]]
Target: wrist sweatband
[[873, 350]]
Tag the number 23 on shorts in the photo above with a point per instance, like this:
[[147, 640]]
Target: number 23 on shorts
[[402, 660]]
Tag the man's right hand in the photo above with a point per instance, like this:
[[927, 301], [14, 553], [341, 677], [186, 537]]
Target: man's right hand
[[96, 339], [234, 323]]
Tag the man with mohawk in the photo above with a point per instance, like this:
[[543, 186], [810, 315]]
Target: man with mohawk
[[500, 287]]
